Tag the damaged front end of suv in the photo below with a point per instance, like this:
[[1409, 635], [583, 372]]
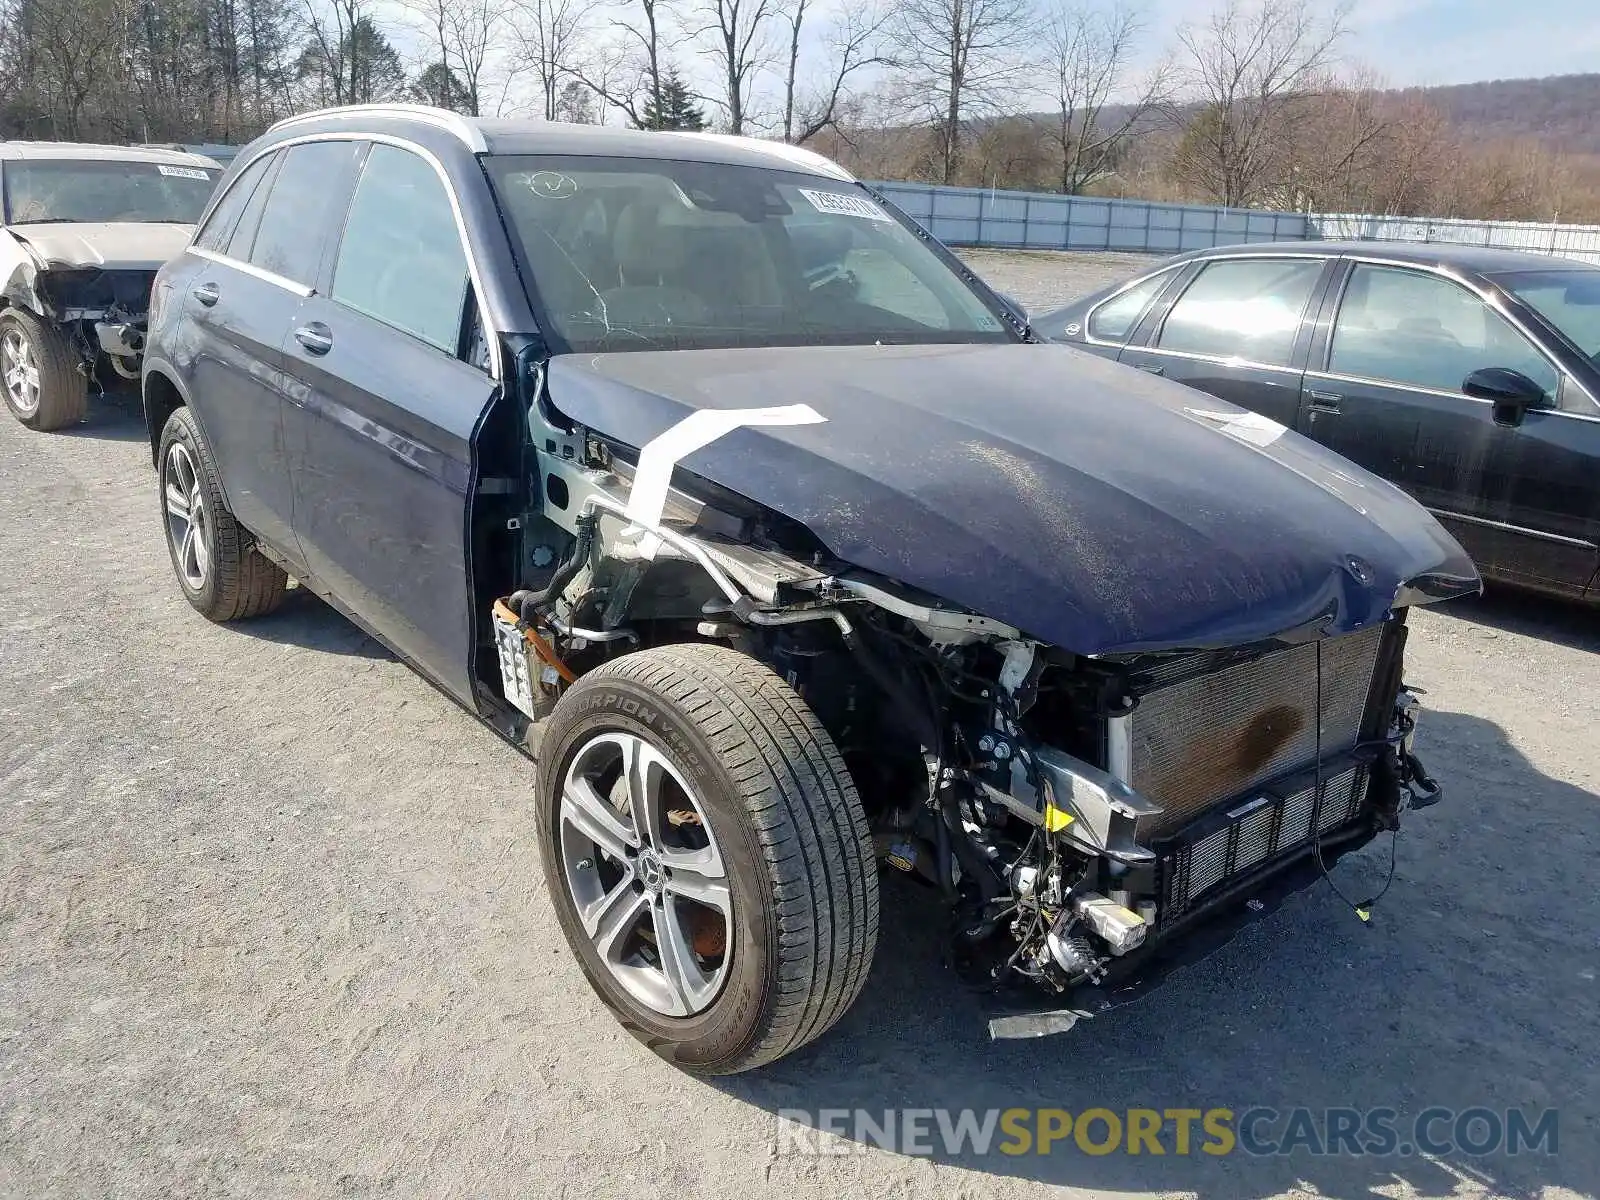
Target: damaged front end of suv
[[83, 231], [1104, 658]]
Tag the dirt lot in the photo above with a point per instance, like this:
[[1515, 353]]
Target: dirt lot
[[271, 924]]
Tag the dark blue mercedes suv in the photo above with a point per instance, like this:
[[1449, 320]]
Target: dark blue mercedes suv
[[711, 482]]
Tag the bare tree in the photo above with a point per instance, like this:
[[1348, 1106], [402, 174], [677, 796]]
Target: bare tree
[[627, 70], [550, 37], [1091, 53], [853, 43], [1246, 67], [957, 59], [463, 33], [738, 36]]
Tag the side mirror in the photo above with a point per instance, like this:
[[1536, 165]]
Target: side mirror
[[1511, 392]]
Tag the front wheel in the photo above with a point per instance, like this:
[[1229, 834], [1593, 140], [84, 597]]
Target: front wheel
[[39, 373], [708, 855]]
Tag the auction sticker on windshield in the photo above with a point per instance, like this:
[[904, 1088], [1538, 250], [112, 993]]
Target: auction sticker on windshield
[[183, 172], [845, 206]]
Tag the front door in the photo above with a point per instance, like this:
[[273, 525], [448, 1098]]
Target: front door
[[1235, 331], [389, 378], [1518, 498]]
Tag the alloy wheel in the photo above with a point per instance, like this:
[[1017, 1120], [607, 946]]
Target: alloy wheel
[[642, 866], [20, 371], [188, 524]]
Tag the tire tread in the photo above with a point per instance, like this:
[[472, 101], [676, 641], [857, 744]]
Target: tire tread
[[808, 816]]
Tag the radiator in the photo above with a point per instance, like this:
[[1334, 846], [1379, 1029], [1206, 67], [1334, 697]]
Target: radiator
[[1200, 737]]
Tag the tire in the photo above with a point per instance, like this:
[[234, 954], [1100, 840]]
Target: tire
[[39, 375], [214, 557], [780, 816]]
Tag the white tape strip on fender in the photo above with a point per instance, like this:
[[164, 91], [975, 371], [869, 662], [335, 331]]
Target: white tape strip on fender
[[647, 499], [1249, 427]]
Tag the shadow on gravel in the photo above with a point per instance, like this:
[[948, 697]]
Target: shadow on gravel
[[304, 620], [1474, 985], [1564, 622], [115, 418]]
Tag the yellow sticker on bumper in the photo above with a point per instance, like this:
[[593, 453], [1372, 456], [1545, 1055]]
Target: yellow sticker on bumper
[[1056, 819]]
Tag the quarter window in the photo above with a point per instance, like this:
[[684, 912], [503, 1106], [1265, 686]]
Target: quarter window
[[1247, 308], [1117, 318], [219, 226], [295, 219], [401, 259], [1422, 330]]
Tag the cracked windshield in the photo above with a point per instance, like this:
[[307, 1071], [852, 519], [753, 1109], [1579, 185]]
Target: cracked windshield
[[652, 255]]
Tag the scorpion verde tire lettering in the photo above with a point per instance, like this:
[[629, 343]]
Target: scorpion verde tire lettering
[[215, 558], [39, 373], [785, 830]]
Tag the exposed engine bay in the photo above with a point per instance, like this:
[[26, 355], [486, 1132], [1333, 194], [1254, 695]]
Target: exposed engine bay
[[1069, 813]]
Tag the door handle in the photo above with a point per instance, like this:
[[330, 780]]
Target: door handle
[[206, 293], [1324, 402], [316, 337], [1152, 368]]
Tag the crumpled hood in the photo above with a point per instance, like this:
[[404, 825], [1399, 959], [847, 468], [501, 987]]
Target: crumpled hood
[[113, 245], [1091, 505]]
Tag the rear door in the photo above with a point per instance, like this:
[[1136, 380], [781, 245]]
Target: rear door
[[240, 305], [1386, 393], [390, 375], [1237, 330]]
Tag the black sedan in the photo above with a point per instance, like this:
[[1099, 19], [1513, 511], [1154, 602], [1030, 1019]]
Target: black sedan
[[1468, 376]]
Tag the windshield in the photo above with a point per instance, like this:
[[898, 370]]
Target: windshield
[[1569, 299], [648, 254], [61, 189]]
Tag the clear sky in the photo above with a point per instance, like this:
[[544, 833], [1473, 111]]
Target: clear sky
[[1423, 42]]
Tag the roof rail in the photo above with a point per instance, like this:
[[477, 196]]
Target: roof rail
[[440, 118]]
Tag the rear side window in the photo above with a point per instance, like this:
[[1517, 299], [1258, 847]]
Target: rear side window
[[219, 226], [295, 220], [1117, 318], [1248, 308], [401, 260]]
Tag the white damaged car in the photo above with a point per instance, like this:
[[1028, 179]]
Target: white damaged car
[[83, 230]]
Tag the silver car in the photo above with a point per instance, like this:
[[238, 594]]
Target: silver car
[[83, 230]]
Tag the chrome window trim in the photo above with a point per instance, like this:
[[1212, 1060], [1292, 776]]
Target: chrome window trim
[[1234, 360], [1510, 528], [249, 268], [453, 123], [496, 366], [1221, 360], [1366, 381]]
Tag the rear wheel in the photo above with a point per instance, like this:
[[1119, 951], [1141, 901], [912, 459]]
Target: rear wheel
[[215, 558], [44, 389], [708, 855]]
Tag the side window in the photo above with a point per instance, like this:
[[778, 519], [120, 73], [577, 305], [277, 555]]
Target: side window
[[219, 226], [1420, 329], [244, 233], [295, 219], [1114, 320], [401, 259], [1247, 308]]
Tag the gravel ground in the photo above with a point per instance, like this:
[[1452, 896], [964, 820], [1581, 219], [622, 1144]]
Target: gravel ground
[[272, 924]]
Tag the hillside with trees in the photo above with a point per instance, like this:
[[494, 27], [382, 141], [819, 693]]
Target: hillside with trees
[[1259, 104]]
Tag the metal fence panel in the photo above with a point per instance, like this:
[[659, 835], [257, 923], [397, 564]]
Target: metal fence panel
[[1568, 241], [1048, 221]]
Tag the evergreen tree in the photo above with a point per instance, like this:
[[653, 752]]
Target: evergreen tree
[[677, 109]]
